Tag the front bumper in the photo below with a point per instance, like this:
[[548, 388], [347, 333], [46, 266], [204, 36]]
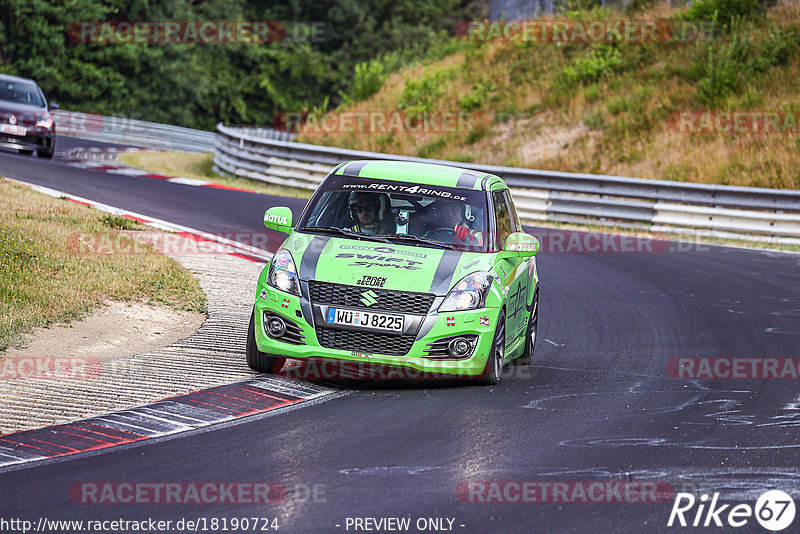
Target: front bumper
[[33, 140], [333, 363]]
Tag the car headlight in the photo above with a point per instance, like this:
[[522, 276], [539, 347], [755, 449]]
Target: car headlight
[[468, 294], [283, 274], [46, 123]]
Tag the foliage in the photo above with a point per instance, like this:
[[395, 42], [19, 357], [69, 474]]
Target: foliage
[[419, 96], [598, 63], [723, 67], [197, 85], [725, 12], [480, 94]]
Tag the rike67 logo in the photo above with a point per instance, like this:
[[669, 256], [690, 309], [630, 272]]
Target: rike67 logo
[[774, 510]]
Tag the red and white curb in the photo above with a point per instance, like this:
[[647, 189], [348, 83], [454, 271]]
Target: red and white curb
[[169, 416], [104, 160], [218, 346], [228, 246]]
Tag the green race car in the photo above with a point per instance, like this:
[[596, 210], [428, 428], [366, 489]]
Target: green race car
[[414, 267]]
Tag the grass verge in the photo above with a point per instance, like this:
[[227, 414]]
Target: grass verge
[[608, 107], [46, 279], [200, 166]]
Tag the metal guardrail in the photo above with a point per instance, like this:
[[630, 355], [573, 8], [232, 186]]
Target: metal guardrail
[[543, 195], [133, 132]]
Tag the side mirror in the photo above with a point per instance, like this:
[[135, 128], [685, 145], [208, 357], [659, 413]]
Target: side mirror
[[53, 106], [279, 218], [520, 245]]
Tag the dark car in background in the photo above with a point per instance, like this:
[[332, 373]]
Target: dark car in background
[[26, 123]]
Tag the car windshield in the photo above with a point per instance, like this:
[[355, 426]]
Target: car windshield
[[400, 212], [20, 93]]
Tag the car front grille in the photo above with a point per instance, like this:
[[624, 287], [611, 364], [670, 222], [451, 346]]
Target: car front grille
[[360, 341], [385, 300]]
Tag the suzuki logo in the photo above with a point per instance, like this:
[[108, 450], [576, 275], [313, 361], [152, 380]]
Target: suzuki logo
[[370, 298], [12, 119]]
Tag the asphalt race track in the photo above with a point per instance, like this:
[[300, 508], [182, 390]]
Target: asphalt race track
[[598, 405]]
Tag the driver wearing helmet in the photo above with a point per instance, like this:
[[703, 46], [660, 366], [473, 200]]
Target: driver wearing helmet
[[365, 210], [452, 214]]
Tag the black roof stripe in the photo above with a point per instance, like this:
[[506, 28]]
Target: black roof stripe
[[354, 169], [338, 167], [467, 180]]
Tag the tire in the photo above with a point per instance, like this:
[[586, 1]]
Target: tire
[[494, 363], [44, 154], [257, 360], [25, 152], [530, 334]]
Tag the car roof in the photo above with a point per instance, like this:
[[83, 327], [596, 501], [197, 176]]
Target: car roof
[[10, 78], [417, 172]]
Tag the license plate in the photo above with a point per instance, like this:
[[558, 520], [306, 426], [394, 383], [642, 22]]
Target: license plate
[[12, 130], [362, 319]]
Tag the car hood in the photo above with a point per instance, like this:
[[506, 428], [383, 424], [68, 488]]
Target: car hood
[[378, 265], [11, 107]]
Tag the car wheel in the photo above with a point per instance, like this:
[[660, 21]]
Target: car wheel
[[530, 333], [44, 154], [494, 363], [25, 152], [257, 360]]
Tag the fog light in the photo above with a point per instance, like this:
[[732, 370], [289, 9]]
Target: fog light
[[276, 327], [459, 347]]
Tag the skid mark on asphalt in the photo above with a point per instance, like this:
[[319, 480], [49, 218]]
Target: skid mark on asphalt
[[677, 409], [777, 331], [169, 416]]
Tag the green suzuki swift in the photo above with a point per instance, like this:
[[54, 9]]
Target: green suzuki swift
[[412, 266]]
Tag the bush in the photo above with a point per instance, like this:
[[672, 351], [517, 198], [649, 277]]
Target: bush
[[575, 6], [592, 67], [478, 97], [720, 72], [725, 12], [724, 67], [419, 96], [777, 50], [431, 149], [368, 78]]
